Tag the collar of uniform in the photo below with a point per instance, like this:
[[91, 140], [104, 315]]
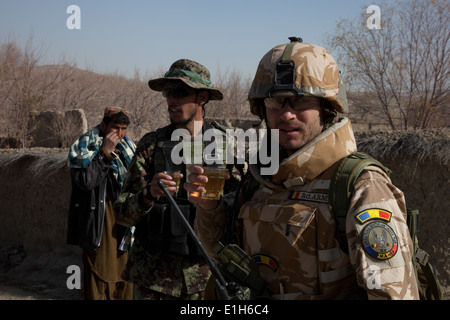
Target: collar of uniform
[[318, 155]]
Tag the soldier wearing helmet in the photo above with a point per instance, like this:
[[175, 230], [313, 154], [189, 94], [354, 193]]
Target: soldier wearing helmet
[[164, 262], [287, 225]]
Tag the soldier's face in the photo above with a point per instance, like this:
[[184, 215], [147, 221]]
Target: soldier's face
[[297, 125], [184, 104]]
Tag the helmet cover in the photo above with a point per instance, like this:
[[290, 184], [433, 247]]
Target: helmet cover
[[315, 73]]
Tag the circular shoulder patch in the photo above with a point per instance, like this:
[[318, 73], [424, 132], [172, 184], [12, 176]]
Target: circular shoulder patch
[[379, 240]]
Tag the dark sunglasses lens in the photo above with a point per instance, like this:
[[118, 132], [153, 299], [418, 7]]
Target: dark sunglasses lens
[[176, 92]]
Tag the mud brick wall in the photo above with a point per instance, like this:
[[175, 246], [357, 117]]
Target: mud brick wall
[[35, 191]]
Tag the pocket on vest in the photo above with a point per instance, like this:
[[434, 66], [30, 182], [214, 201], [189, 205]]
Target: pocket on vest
[[155, 220], [177, 227], [275, 223]]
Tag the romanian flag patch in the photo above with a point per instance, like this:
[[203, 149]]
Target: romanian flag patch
[[265, 260], [370, 214]]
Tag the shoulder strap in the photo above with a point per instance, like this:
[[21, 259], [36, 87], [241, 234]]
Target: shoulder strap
[[426, 274], [341, 188], [342, 185], [217, 125]]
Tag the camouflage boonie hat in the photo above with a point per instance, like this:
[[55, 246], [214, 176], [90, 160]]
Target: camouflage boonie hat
[[316, 74], [191, 73]]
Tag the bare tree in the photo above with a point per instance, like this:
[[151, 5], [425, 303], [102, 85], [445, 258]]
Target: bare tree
[[17, 97], [402, 70], [235, 89], [147, 107], [28, 88]]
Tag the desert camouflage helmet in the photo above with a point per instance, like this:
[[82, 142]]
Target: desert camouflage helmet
[[298, 68], [191, 73]]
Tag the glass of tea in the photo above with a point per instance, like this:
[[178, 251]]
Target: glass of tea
[[215, 184], [176, 176]]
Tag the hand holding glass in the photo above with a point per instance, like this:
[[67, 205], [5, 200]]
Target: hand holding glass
[[176, 177], [214, 186]]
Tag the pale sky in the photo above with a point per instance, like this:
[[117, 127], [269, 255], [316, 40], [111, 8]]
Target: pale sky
[[121, 36]]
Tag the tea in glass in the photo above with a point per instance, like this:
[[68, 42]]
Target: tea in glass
[[176, 176], [215, 184]]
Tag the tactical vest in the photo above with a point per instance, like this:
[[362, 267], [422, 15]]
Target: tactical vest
[[284, 213], [308, 266], [161, 230]]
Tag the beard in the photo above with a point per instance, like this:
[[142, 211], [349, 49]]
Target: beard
[[182, 121], [305, 133], [181, 116]]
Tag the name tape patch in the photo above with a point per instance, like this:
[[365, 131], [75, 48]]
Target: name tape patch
[[308, 196]]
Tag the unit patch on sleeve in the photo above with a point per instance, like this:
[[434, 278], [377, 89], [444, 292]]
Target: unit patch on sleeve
[[379, 240], [370, 214]]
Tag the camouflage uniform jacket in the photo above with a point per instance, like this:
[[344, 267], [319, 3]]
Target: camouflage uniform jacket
[[167, 273], [163, 272], [290, 232]]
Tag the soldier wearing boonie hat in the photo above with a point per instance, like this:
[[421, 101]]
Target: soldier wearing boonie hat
[[164, 262], [189, 72]]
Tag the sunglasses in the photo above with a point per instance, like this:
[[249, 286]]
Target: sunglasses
[[296, 103], [177, 92]]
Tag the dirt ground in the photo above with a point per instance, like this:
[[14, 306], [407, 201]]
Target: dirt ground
[[39, 276], [43, 276]]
